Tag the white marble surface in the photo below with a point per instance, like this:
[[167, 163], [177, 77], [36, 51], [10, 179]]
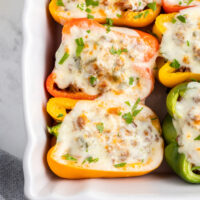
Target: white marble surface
[[12, 129]]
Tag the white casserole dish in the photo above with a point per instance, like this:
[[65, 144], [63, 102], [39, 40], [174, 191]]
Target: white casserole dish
[[41, 38]]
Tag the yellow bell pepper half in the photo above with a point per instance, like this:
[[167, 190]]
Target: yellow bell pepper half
[[168, 75], [56, 107]]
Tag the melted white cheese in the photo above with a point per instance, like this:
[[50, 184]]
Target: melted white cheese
[[184, 2], [106, 8], [187, 123], [137, 144], [181, 41], [112, 72]]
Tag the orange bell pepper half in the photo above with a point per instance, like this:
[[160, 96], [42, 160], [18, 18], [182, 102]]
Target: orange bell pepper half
[[70, 170], [86, 24], [170, 8], [127, 18]]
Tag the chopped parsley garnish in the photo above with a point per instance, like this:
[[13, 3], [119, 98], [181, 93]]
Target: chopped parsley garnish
[[175, 64], [136, 112], [146, 13], [80, 6], [80, 46], [140, 3], [120, 165], [69, 157], [92, 80], [128, 103], [131, 79], [118, 15], [59, 3], [136, 104], [91, 3], [60, 115], [117, 51], [181, 18], [64, 58], [179, 2], [197, 138], [138, 16], [90, 16], [128, 117], [173, 21], [188, 43], [100, 127], [189, 2], [109, 23], [88, 31], [88, 10], [152, 5], [119, 113], [90, 160]]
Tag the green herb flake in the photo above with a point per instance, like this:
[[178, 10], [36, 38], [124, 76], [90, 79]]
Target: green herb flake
[[120, 165], [59, 3], [181, 18], [138, 16], [60, 115], [64, 58], [135, 104], [90, 160], [69, 157], [92, 80], [118, 15], [109, 21], [197, 138], [173, 21], [88, 31], [91, 3], [152, 6], [188, 43], [136, 112], [88, 10], [140, 3], [146, 13], [80, 6], [80, 46], [189, 2], [179, 2], [90, 16], [119, 113], [175, 64], [117, 51], [128, 117], [100, 127], [131, 80], [127, 103]]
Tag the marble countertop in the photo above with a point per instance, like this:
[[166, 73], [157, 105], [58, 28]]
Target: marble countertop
[[12, 127]]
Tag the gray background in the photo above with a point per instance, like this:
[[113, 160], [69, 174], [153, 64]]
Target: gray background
[[12, 129]]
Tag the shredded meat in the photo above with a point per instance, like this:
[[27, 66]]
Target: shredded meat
[[124, 5], [183, 69], [196, 52], [124, 155], [81, 121], [73, 88]]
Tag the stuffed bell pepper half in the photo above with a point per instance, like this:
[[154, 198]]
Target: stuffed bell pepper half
[[134, 13], [171, 6], [103, 138], [93, 60], [181, 130], [180, 48]]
